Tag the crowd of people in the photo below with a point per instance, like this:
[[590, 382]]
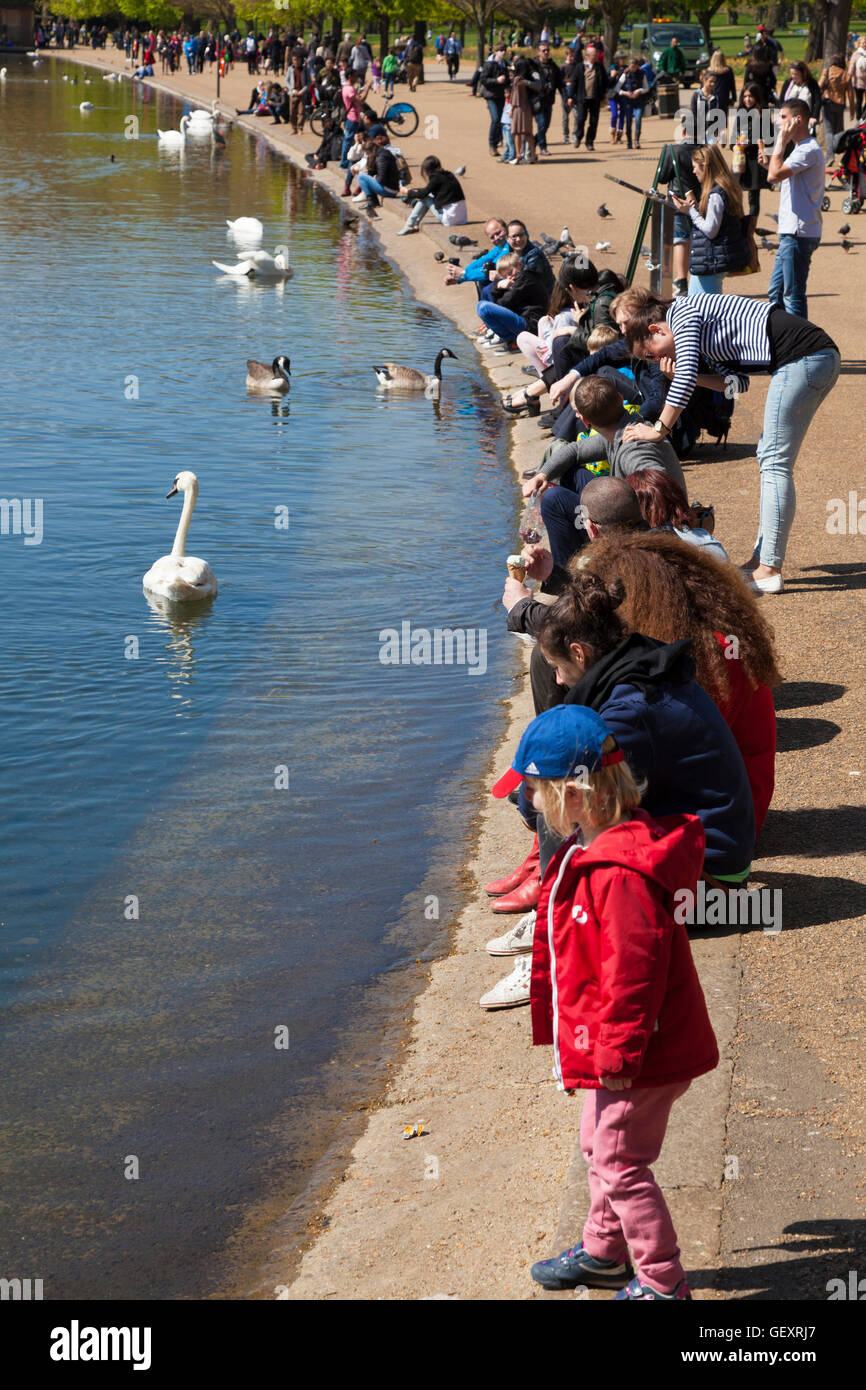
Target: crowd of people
[[649, 766]]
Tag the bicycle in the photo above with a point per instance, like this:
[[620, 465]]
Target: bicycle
[[400, 117]]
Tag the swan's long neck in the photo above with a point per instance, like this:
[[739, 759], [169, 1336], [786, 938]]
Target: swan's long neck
[[178, 550]]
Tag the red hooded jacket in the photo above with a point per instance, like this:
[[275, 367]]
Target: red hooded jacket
[[614, 987]]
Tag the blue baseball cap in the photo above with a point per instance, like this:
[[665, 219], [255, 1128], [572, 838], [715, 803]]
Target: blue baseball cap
[[376, 130], [556, 744]]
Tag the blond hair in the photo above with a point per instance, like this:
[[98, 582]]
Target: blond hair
[[510, 261], [606, 795], [602, 335]]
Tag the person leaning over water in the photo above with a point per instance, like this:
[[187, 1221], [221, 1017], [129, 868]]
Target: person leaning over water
[[720, 341], [673, 591]]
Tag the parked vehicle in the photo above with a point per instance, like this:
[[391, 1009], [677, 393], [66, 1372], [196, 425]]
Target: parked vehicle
[[653, 39]]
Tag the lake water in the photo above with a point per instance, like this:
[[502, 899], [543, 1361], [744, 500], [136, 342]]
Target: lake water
[[200, 967]]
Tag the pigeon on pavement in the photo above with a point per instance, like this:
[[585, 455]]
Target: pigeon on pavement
[[604, 211]]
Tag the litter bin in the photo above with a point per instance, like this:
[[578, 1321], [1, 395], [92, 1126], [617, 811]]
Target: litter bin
[[668, 98]]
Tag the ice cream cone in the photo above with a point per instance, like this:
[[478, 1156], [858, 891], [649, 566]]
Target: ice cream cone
[[516, 567]]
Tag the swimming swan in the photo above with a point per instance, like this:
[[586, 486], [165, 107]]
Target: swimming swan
[[174, 139], [2, 74], [86, 106], [245, 229], [257, 265], [179, 577], [269, 379], [395, 378]]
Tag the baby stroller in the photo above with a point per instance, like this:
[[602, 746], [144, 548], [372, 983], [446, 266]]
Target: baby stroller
[[850, 146]]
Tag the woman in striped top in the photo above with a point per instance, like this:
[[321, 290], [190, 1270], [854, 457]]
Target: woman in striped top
[[720, 341]]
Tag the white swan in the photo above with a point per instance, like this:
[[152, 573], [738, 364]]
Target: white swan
[[174, 139], [257, 265], [179, 577], [201, 117], [86, 106], [2, 74], [247, 229]]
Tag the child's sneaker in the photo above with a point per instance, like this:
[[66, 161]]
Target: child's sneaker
[[635, 1289], [577, 1266]]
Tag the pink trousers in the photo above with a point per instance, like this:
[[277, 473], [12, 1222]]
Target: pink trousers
[[621, 1134]]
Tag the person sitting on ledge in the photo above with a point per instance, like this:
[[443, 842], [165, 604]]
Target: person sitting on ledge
[[442, 195], [599, 405]]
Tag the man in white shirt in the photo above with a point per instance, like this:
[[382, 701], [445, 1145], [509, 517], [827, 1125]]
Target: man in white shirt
[[801, 176]]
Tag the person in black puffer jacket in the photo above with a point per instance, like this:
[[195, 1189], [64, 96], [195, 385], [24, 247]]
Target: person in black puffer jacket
[[492, 84], [519, 299], [718, 244]]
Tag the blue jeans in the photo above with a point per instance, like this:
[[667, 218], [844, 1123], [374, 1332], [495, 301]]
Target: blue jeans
[[502, 321], [495, 133], [795, 393], [705, 284], [509, 152], [542, 121], [371, 187], [388, 84], [790, 273], [562, 517], [348, 141]]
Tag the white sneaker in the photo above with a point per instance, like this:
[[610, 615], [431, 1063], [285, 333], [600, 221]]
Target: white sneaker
[[407, 230], [515, 941], [359, 198], [513, 989]]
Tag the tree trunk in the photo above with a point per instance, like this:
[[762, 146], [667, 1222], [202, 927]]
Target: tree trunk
[[462, 32], [384, 34], [613, 11], [337, 28], [836, 33], [733, 16], [775, 14], [817, 29]]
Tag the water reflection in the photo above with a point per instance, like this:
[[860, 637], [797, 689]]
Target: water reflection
[[179, 621]]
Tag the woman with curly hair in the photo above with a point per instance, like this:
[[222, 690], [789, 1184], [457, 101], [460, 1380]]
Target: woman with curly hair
[[671, 732], [674, 590]]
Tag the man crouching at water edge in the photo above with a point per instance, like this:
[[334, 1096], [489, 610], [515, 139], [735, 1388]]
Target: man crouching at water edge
[[599, 405], [614, 989]]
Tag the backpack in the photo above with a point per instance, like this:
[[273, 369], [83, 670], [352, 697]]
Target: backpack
[[403, 171], [711, 410]]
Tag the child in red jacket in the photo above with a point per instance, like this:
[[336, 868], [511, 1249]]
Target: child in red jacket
[[615, 990]]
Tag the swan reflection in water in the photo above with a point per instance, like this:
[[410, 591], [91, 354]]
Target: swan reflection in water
[[179, 621]]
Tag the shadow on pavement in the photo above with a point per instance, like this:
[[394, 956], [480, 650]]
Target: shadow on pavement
[[801, 694], [795, 734], [834, 577], [814, 832], [831, 1250]]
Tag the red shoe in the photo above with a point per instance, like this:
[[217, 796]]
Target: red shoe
[[528, 867], [523, 898]]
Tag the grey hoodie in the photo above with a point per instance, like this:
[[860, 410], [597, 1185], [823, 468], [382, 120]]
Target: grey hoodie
[[624, 458]]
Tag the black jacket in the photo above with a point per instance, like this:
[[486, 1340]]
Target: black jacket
[[386, 170], [528, 297], [549, 79], [444, 188], [492, 90]]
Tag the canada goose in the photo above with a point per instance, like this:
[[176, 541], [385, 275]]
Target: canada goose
[[395, 378], [180, 577], [257, 265], [269, 379]]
